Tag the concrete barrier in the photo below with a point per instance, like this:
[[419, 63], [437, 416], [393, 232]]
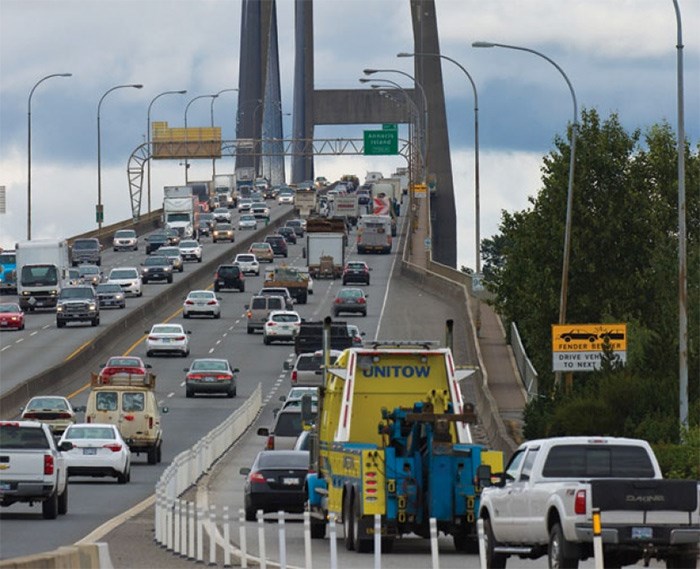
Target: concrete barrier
[[87, 556], [138, 317]]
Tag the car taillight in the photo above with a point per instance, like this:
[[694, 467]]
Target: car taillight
[[88, 419], [29, 416], [338, 300], [48, 464], [216, 275], [580, 502], [64, 416], [270, 445], [189, 302], [114, 447], [249, 314], [361, 300], [223, 377], [153, 338], [194, 376], [150, 422], [294, 376], [211, 302], [270, 323], [179, 338], [256, 478]]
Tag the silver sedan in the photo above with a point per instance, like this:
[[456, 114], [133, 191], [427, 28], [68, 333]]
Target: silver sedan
[[201, 303]]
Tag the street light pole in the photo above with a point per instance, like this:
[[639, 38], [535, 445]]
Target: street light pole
[[682, 243], [425, 110], [99, 210], [477, 206], [211, 111], [148, 134], [29, 149], [187, 165], [570, 190]]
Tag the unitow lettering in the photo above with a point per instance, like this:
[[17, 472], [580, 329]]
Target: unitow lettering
[[397, 371]]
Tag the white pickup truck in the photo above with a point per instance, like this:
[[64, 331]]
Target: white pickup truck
[[542, 505], [32, 467]]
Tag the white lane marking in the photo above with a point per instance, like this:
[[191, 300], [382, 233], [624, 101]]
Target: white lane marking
[[182, 384], [218, 342], [46, 327], [211, 350], [34, 333], [386, 295], [171, 394], [5, 348], [19, 340]]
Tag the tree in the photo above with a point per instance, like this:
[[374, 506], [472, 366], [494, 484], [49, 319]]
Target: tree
[[623, 258]]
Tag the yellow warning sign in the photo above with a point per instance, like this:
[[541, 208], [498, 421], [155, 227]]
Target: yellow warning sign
[[588, 337]]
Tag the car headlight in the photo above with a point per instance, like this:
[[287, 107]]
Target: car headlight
[[59, 308], [93, 307]]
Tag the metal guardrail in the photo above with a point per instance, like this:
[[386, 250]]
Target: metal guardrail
[[528, 373]]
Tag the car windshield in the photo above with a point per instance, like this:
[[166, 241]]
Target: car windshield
[[123, 274], [281, 459], [169, 251], [9, 308], [285, 318], [88, 270], [81, 432], [245, 258], [206, 216], [350, 293], [167, 329], [202, 295], [85, 245], [108, 288], [48, 403], [188, 244], [12, 436], [156, 237], [125, 234], [223, 227], [156, 261], [124, 362], [215, 365], [288, 424], [76, 292]]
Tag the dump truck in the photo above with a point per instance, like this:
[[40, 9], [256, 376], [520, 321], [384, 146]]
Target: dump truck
[[326, 239], [291, 278], [393, 439]]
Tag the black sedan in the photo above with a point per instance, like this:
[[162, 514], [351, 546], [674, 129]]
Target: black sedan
[[275, 482], [289, 235]]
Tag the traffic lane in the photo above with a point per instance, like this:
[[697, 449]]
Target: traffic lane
[[92, 502], [19, 349]]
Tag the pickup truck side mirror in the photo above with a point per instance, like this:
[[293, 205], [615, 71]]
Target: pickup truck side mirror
[[483, 475], [164, 409], [80, 409], [65, 446], [264, 432], [286, 366], [244, 471]]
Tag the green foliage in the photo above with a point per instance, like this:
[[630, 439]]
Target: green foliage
[[681, 460], [623, 268]]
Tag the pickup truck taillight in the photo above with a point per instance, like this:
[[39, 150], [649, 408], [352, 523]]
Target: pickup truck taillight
[[294, 377], [580, 502], [48, 464], [270, 445]]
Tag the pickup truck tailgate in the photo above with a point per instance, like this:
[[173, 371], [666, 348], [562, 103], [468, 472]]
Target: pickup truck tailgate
[[21, 466]]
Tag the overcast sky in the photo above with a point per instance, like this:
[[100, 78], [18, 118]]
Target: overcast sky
[[619, 55]]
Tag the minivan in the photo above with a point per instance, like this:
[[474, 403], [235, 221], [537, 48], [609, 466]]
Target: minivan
[[259, 309]]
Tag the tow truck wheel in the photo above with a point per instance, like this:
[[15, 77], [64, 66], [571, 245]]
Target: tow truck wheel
[[318, 529], [348, 522], [361, 545]]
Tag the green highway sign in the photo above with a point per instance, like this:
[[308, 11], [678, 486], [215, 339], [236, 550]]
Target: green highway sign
[[390, 126], [378, 142]]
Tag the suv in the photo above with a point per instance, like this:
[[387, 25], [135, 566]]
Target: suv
[[310, 337], [129, 402], [278, 244], [308, 370], [259, 309], [229, 276], [278, 291], [356, 272], [77, 304], [286, 428], [88, 250]]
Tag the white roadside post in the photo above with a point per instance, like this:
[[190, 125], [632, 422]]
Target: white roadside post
[[227, 538], [597, 539], [182, 546], [190, 521], [242, 538], [377, 541], [282, 540], [434, 543], [177, 535], [200, 535], [482, 543], [332, 538], [261, 539], [307, 538], [212, 533]]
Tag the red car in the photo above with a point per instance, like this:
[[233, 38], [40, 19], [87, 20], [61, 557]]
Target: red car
[[11, 316], [129, 365]]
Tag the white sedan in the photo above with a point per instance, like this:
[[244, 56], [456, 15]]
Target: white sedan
[[248, 263], [201, 303], [190, 250], [98, 450], [168, 339], [129, 278], [247, 221], [281, 326]]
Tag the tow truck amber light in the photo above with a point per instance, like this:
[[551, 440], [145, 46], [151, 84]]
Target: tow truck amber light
[[580, 502]]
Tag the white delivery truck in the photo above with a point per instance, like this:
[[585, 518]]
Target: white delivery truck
[[345, 206], [325, 254], [42, 266], [224, 189], [305, 201], [180, 211]]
